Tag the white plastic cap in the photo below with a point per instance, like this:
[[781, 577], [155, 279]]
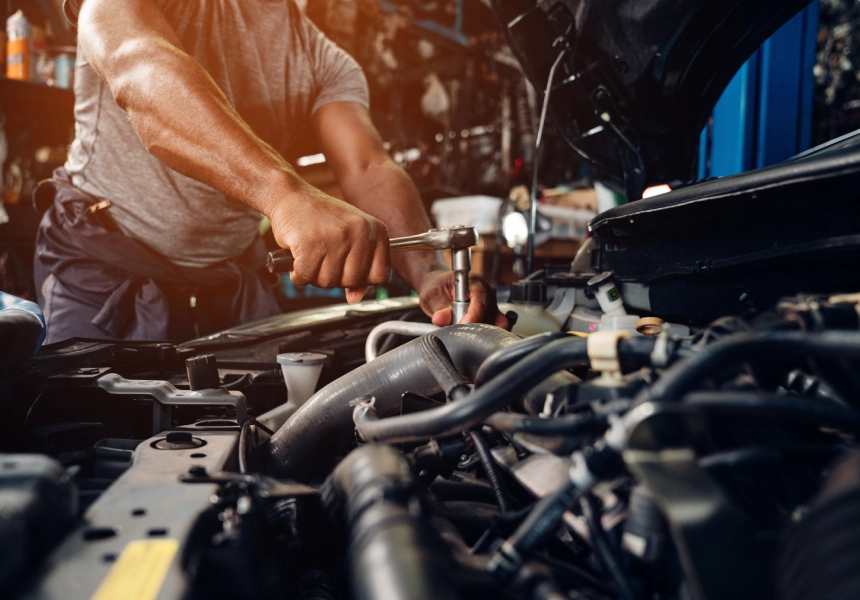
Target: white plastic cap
[[301, 358], [301, 372]]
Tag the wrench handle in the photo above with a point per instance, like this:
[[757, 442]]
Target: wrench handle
[[280, 261]]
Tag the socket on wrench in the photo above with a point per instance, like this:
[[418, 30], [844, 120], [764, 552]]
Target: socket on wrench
[[459, 239]]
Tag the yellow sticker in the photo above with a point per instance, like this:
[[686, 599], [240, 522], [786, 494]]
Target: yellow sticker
[[139, 572]]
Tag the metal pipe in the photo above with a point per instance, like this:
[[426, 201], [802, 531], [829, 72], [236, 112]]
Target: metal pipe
[[371, 346], [461, 259], [536, 164]]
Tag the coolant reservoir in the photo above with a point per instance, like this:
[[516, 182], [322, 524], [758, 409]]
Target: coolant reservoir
[[301, 373], [527, 300]]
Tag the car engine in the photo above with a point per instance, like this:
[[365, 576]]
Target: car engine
[[389, 458]]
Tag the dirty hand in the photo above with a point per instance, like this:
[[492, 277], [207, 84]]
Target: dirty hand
[[333, 243], [436, 293]]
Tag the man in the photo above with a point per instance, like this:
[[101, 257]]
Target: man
[[184, 109]]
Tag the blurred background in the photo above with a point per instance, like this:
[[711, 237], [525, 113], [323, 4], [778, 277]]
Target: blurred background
[[455, 112]]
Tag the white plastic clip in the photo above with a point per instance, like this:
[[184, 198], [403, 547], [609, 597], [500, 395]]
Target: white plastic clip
[[603, 352]]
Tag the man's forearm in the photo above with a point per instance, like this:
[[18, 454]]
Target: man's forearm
[[175, 107], [384, 190]]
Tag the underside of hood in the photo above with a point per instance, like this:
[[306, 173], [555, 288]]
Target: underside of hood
[[638, 78]]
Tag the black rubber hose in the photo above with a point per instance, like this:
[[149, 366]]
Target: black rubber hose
[[602, 548], [323, 426], [532, 532], [438, 360], [772, 408], [510, 355], [394, 553], [770, 347], [477, 406], [564, 425], [492, 471]]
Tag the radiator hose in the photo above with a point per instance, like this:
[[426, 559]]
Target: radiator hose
[[323, 426], [393, 552]]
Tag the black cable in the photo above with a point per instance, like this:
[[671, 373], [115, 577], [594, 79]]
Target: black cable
[[239, 383], [773, 408], [536, 161], [603, 549], [532, 532], [771, 347], [492, 471], [477, 406], [500, 239], [510, 355], [264, 428], [575, 424]]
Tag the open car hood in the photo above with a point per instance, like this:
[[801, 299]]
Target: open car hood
[[640, 77]]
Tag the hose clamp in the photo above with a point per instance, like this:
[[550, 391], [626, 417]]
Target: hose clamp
[[603, 352]]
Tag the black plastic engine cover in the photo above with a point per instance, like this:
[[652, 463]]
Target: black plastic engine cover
[[741, 242]]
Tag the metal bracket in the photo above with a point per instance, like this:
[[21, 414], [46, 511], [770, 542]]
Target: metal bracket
[[166, 394]]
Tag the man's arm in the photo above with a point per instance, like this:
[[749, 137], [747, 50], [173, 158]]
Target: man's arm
[[374, 183], [186, 121]]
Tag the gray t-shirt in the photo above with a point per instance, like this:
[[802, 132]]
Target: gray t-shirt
[[275, 67]]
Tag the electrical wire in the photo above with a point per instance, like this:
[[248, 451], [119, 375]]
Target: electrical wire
[[603, 549], [492, 471]]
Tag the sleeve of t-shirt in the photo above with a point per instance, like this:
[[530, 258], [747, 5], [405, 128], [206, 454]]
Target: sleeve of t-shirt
[[337, 77]]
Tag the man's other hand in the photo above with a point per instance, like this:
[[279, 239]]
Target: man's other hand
[[333, 243], [436, 293]]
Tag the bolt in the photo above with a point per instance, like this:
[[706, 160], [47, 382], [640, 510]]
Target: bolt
[[197, 471], [179, 437]]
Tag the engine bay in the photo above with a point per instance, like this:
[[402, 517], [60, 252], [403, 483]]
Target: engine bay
[[408, 461]]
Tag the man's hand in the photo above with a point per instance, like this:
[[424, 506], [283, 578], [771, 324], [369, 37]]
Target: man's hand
[[333, 244], [436, 293]]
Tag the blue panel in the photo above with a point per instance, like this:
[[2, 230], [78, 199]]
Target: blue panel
[[704, 152], [807, 84], [780, 94], [765, 114], [733, 118]]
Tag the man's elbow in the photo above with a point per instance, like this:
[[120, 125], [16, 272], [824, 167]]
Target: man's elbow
[[131, 71]]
